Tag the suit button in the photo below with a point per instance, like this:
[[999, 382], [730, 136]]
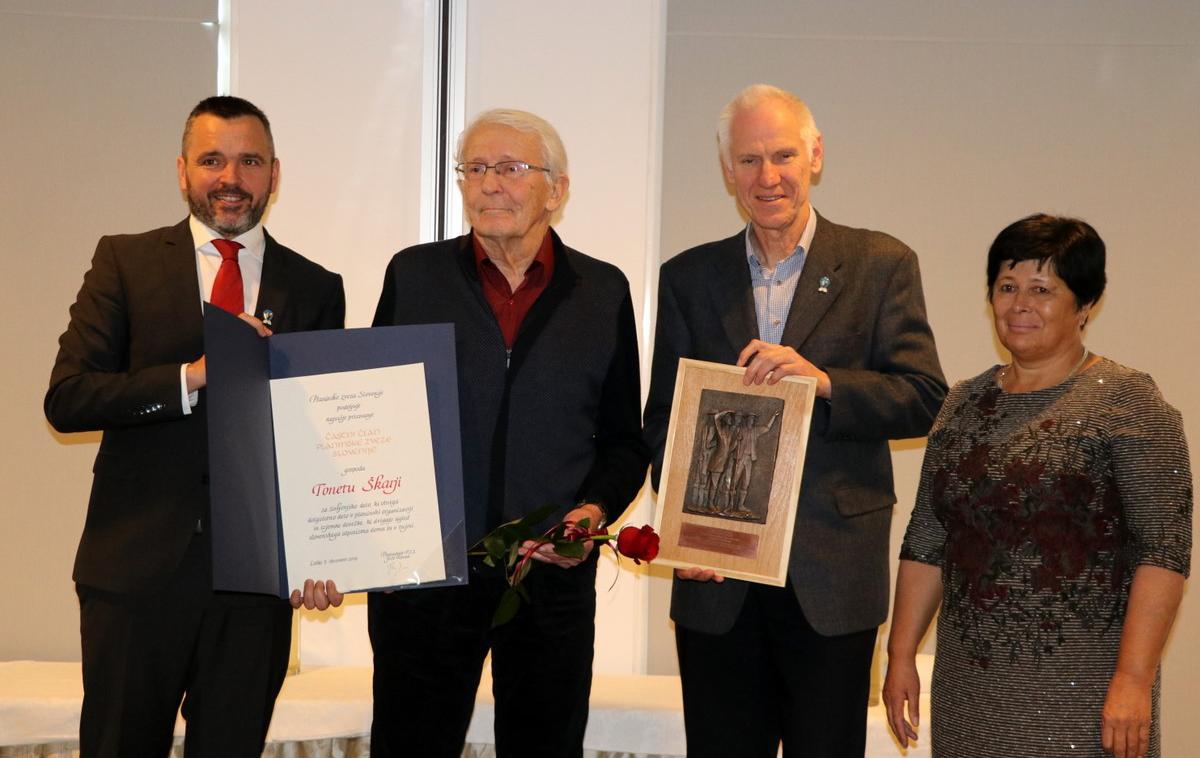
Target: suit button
[[204, 478]]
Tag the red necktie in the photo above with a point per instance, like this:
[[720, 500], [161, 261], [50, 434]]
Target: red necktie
[[227, 287]]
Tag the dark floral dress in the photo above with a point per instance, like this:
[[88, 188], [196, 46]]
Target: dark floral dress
[[1038, 507]]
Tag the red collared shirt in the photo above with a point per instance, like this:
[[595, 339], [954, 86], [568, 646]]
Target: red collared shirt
[[509, 307]]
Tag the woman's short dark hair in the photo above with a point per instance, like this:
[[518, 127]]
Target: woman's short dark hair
[[1072, 247]]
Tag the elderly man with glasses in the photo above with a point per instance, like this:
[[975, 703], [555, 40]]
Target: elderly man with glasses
[[549, 407]]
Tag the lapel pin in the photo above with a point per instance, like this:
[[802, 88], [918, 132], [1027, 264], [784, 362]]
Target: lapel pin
[[824, 288], [269, 314]]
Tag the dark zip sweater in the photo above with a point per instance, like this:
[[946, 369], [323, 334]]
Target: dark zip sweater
[[557, 421]]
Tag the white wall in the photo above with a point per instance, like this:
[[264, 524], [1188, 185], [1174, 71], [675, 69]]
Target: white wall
[[342, 84], [83, 158]]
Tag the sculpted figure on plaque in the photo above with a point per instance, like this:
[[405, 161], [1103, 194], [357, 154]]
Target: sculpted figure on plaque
[[718, 468], [745, 454]]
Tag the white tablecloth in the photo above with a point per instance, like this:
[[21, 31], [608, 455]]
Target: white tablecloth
[[326, 713]]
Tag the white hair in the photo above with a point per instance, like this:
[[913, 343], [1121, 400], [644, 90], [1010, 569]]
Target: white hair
[[752, 97], [554, 155]]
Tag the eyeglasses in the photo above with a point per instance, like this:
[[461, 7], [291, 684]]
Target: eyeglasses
[[473, 172]]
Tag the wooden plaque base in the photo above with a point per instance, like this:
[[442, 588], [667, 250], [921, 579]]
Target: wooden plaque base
[[731, 472]]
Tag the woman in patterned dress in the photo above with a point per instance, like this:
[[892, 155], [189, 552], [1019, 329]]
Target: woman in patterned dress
[[1052, 525]]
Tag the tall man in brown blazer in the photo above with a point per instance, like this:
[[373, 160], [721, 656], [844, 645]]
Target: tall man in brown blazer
[[131, 363], [794, 294]]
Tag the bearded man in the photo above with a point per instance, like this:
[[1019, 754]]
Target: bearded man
[[131, 364]]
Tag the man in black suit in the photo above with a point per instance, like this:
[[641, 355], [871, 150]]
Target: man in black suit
[[794, 294], [131, 363]]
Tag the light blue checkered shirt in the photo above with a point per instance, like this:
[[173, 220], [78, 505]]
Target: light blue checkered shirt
[[774, 290]]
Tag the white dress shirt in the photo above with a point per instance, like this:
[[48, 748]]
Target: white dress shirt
[[208, 262]]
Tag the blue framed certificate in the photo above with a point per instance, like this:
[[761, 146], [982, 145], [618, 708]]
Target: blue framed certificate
[[334, 455]]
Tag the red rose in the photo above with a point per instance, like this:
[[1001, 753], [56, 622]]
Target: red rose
[[640, 544], [502, 549]]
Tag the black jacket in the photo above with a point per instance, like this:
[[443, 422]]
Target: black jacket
[[859, 314], [136, 319], [558, 422]]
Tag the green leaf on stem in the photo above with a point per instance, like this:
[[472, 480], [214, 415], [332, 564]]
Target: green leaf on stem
[[569, 549], [524, 593], [535, 517], [494, 544], [510, 602]]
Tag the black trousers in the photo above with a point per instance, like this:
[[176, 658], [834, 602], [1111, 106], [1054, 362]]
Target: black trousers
[[771, 678], [224, 655], [429, 647]]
